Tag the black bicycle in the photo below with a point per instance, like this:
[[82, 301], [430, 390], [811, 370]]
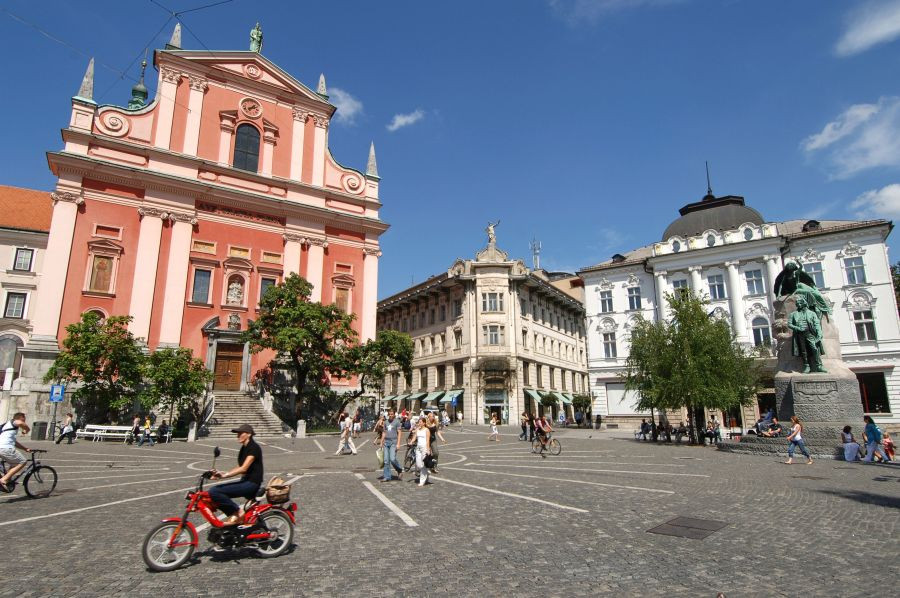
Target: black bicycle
[[410, 460], [552, 446], [40, 480]]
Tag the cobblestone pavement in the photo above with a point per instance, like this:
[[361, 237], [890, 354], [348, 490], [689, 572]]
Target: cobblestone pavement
[[497, 520]]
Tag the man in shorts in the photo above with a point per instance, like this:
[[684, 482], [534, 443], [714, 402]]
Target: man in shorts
[[543, 429], [8, 446]]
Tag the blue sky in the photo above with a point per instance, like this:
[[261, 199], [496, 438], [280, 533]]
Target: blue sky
[[582, 123]]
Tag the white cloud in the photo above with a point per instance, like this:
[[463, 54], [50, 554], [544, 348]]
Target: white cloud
[[404, 120], [873, 24], [348, 107], [864, 136], [576, 12], [878, 203]]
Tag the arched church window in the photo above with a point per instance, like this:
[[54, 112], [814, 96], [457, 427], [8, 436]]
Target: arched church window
[[762, 335], [9, 355], [246, 148]]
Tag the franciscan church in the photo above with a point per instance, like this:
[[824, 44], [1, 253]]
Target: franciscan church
[[724, 249]]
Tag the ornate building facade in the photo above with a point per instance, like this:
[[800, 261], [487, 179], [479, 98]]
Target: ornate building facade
[[183, 210], [723, 249], [490, 337]]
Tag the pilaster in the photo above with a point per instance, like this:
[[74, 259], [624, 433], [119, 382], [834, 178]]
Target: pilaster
[[297, 139], [176, 279], [293, 246], [696, 273], [146, 261], [320, 146], [168, 85], [370, 292], [315, 262], [661, 284], [199, 85]]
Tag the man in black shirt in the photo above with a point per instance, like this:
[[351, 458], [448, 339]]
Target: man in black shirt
[[250, 468]]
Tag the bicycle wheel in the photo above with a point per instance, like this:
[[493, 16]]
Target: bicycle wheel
[[156, 551], [40, 481], [535, 445], [410, 461], [554, 446], [281, 534]]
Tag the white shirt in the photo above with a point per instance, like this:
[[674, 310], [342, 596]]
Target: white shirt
[[8, 434], [422, 438], [796, 430]]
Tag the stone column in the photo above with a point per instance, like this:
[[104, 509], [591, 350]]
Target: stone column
[[773, 267], [268, 150], [199, 85], [45, 320], [297, 139], [315, 261], [293, 246], [146, 260], [661, 282], [370, 292], [736, 301], [167, 89], [226, 132], [176, 279], [320, 146], [696, 279]]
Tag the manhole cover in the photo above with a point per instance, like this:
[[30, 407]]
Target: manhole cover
[[808, 477], [688, 527]]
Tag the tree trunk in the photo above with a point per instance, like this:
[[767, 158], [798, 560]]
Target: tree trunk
[[693, 438], [300, 372]]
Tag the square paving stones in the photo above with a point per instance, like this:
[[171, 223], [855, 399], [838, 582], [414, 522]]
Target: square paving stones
[[688, 527]]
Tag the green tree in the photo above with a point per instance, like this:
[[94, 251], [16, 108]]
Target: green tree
[[106, 362], [691, 361], [371, 361], [582, 403], [315, 337], [177, 382]]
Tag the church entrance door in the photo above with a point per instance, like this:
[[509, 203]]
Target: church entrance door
[[229, 358]]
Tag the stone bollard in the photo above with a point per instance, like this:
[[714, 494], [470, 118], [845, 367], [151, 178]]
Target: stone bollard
[[192, 432], [301, 428]]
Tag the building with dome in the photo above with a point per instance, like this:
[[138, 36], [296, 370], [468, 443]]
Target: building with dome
[[724, 249]]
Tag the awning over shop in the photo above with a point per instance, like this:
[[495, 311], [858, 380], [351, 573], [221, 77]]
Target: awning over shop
[[451, 394], [533, 394], [433, 396], [417, 395], [561, 398], [390, 398], [399, 398], [568, 396]]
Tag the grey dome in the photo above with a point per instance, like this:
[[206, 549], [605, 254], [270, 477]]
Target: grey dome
[[716, 213]]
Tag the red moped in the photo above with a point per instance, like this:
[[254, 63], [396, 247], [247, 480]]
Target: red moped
[[267, 528]]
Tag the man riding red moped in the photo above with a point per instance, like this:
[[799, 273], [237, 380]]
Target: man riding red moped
[[266, 527]]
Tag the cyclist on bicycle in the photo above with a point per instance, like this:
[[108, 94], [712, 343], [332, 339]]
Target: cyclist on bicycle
[[543, 428], [8, 446]]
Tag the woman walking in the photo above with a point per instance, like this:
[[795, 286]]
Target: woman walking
[[423, 449], [495, 433], [796, 441]]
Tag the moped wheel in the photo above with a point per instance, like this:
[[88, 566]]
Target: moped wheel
[[40, 481], [555, 446], [156, 552], [281, 531]]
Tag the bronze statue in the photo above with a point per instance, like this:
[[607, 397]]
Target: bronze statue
[[793, 280], [807, 337], [256, 39]]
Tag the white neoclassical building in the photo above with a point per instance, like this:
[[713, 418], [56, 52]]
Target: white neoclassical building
[[491, 337], [724, 249]]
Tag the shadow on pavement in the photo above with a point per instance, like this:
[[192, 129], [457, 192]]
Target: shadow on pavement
[[868, 498]]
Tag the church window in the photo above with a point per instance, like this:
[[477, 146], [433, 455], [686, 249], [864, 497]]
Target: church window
[[246, 148], [762, 336], [200, 290], [865, 325]]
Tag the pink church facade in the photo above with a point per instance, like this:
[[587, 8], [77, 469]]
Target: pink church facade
[[182, 211]]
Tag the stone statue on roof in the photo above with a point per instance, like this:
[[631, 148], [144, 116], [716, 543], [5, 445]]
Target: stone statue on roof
[[492, 238], [256, 39], [793, 280]]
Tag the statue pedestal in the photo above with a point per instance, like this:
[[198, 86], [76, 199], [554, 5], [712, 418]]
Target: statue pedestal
[[825, 402]]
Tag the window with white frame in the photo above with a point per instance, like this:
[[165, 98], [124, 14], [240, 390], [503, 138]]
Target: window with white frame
[[716, 286], [856, 271], [634, 298], [492, 334], [755, 284], [23, 260], [201, 285], [864, 324], [606, 302], [814, 269], [762, 335], [15, 305], [457, 339], [492, 302], [609, 345], [680, 286]]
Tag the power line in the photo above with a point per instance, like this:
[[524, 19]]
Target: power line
[[135, 59]]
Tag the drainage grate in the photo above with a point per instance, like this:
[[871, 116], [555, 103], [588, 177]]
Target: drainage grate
[[688, 527], [808, 477]]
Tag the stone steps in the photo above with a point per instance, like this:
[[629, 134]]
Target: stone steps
[[236, 408]]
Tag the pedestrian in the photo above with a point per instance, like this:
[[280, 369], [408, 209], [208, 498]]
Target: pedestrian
[[530, 427], [796, 441], [357, 423], [578, 417], [887, 444], [423, 450], [434, 428], [872, 438], [345, 439], [68, 430], [459, 418], [13, 459], [135, 428], [145, 433], [495, 432], [524, 434], [391, 433], [851, 447]]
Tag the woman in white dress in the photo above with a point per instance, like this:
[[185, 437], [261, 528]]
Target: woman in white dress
[[851, 447], [423, 448], [495, 433]]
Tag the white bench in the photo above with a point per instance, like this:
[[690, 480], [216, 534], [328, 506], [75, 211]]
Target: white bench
[[98, 432]]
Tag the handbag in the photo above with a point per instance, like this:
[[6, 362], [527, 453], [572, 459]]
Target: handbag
[[379, 454]]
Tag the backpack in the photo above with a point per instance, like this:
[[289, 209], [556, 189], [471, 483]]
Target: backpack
[[878, 435]]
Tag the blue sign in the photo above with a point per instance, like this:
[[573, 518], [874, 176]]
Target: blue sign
[[57, 393], [453, 401]]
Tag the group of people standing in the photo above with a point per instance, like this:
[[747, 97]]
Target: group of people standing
[[421, 434]]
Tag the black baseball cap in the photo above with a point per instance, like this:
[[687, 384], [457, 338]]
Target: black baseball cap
[[244, 428]]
